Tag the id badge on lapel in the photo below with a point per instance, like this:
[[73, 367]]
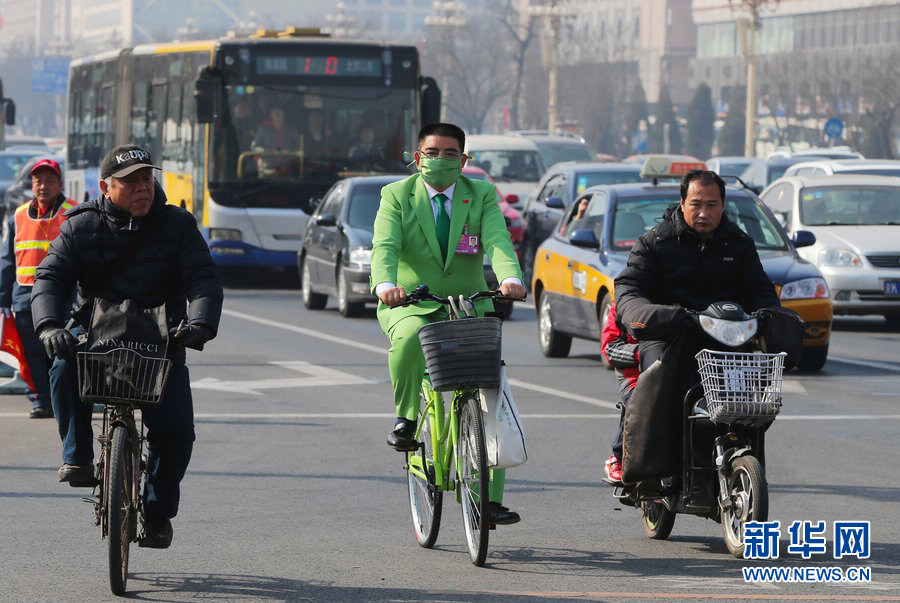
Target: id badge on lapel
[[468, 244]]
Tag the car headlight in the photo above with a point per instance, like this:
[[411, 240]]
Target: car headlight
[[806, 288], [225, 234], [361, 256], [729, 332], [839, 257]]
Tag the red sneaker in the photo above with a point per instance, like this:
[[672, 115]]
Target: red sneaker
[[614, 468]]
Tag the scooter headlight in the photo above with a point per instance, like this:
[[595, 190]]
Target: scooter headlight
[[729, 332]]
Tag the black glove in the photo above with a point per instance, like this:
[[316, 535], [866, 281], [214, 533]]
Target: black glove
[[192, 336], [58, 342], [655, 321]]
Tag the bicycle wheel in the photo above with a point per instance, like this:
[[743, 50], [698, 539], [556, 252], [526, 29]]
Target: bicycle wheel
[[120, 508], [474, 479], [425, 500]]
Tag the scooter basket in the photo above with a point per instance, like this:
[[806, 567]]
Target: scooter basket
[[741, 388], [121, 376], [462, 353]]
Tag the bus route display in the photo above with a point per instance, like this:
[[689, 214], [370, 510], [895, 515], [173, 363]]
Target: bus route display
[[332, 65]]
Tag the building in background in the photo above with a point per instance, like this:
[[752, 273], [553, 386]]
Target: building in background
[[656, 35], [816, 59]]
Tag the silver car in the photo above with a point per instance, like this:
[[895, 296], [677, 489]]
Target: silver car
[[856, 223], [839, 167]]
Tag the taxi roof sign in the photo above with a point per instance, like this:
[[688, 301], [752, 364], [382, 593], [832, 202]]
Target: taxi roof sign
[[667, 166]]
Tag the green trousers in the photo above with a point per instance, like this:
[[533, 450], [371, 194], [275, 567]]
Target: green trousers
[[406, 363]]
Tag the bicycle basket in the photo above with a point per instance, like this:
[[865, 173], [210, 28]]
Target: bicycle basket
[[121, 376], [740, 387], [462, 353]]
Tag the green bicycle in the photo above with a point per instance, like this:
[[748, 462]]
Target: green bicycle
[[462, 355]]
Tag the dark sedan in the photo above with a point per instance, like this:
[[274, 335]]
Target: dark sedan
[[19, 190], [11, 161], [555, 192], [335, 257]]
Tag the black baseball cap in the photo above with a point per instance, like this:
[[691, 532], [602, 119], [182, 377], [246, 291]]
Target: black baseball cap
[[123, 160]]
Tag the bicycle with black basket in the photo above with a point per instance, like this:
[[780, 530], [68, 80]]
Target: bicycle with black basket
[[462, 356], [725, 416], [122, 380]]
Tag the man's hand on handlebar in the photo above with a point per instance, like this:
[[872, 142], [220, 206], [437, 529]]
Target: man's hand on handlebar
[[192, 336], [393, 297], [58, 342], [513, 290]]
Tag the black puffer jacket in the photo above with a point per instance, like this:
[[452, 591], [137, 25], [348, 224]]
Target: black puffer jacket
[[172, 266], [670, 266]]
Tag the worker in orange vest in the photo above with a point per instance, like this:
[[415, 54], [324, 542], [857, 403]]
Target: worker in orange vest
[[26, 238]]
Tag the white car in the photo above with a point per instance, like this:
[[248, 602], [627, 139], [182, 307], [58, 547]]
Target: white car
[[514, 162], [827, 152], [856, 223], [830, 167]]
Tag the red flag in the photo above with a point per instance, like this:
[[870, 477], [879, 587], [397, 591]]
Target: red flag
[[11, 343]]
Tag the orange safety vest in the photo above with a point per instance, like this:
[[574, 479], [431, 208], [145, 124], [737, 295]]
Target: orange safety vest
[[33, 237]]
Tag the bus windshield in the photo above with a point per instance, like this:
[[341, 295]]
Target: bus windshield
[[286, 134]]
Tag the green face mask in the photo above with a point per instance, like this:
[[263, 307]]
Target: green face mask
[[440, 172]]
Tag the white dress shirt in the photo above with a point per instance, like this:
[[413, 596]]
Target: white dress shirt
[[448, 207]]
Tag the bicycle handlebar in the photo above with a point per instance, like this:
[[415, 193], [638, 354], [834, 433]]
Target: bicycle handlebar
[[422, 293]]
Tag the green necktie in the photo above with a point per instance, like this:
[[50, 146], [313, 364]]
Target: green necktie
[[442, 226]]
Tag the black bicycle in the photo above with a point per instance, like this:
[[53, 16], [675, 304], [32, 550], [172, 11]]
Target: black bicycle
[[122, 380]]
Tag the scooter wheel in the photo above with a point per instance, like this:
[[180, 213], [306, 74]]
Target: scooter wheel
[[657, 520], [748, 495]]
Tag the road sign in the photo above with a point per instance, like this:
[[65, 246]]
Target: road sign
[[834, 127], [49, 75]]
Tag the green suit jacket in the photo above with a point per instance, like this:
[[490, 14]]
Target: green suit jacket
[[405, 248]]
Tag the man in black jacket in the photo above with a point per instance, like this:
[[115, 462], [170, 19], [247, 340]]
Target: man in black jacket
[[694, 257], [130, 244]]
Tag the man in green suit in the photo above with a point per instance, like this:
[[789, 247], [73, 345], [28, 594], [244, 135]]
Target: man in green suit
[[433, 229]]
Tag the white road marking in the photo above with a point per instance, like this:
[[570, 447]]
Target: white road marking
[[867, 363], [319, 376], [561, 394], [793, 387], [370, 348], [308, 332]]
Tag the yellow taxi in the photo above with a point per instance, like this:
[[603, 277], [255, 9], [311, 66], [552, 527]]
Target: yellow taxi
[[575, 267]]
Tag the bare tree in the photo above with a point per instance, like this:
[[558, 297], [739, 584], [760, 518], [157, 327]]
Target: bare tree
[[521, 36], [880, 104], [472, 62]]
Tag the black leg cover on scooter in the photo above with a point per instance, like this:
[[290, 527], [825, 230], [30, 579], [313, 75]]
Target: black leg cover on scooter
[[654, 417]]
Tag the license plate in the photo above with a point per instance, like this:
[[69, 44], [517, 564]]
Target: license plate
[[892, 288]]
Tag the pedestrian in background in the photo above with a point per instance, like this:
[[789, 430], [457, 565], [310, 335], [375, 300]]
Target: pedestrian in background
[[27, 235]]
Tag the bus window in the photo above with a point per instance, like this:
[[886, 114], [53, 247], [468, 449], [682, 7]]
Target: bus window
[[171, 128], [139, 93], [187, 125], [105, 128], [155, 118]]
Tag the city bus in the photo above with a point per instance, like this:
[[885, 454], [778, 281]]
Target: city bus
[[250, 132]]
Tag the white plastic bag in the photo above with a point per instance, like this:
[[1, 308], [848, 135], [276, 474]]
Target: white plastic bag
[[503, 433]]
